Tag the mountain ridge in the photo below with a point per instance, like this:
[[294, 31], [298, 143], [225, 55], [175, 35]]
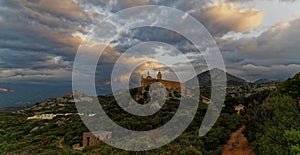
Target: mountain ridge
[[204, 78]]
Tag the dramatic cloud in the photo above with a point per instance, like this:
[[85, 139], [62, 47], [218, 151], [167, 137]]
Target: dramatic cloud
[[42, 26], [39, 39], [92, 49], [225, 17], [68, 9], [132, 61]]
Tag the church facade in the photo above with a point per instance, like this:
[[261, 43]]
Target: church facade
[[171, 85]]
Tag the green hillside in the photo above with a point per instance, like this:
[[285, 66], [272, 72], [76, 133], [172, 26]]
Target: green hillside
[[270, 117], [273, 125]]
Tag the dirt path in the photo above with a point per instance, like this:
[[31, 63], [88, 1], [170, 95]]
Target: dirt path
[[237, 144], [60, 143]]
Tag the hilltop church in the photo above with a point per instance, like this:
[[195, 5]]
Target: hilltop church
[[171, 85]]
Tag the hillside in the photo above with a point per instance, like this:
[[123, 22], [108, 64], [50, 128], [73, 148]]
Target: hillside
[[260, 81], [261, 114], [272, 119], [63, 134]]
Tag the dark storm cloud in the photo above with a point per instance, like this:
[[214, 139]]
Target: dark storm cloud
[[38, 38], [42, 26]]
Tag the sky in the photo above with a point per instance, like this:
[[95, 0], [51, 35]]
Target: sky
[[39, 40]]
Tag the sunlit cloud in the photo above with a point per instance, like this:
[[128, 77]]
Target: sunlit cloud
[[3, 90], [6, 90], [142, 69], [228, 16]]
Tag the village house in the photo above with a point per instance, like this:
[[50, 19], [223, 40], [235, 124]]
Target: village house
[[91, 139], [205, 100]]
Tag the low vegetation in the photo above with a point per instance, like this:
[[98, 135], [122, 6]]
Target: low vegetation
[[271, 120], [273, 124]]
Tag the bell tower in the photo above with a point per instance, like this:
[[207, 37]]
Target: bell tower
[[159, 76]]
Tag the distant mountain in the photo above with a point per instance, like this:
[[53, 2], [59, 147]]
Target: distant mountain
[[260, 81], [205, 78]]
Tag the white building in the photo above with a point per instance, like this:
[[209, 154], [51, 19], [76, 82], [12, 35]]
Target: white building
[[43, 116]]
